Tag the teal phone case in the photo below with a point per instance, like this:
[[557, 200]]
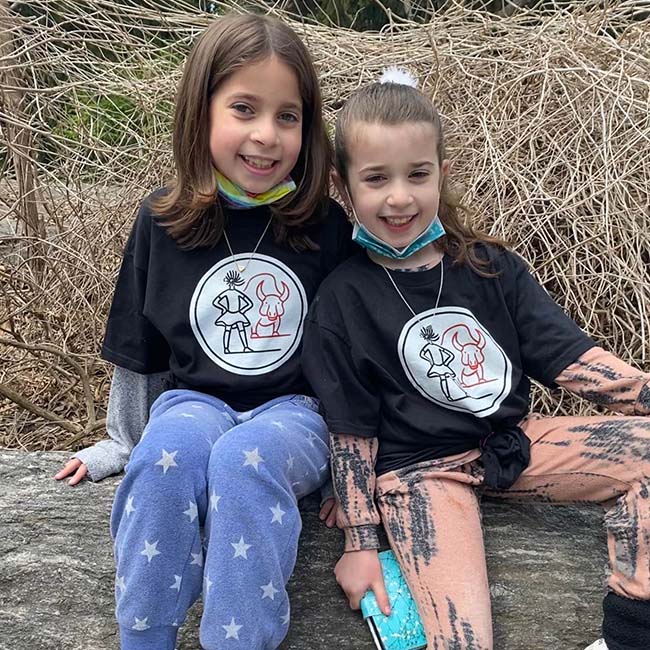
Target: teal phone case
[[402, 630]]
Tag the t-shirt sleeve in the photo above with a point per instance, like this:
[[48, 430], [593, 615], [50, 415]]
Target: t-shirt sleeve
[[131, 340], [337, 238], [549, 340], [349, 404]]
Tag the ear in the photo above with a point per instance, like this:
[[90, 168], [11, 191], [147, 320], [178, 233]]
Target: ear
[[341, 188], [445, 167]]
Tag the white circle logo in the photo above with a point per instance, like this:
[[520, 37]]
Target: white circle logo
[[453, 361], [247, 313]]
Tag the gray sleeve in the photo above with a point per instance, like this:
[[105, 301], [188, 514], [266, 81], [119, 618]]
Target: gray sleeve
[[129, 401]]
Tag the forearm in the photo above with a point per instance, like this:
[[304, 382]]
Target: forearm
[[129, 401], [353, 470], [604, 379]]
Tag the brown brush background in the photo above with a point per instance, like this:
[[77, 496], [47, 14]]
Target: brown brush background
[[547, 117]]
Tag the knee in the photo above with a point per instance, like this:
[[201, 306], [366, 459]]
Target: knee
[[171, 444], [246, 452]]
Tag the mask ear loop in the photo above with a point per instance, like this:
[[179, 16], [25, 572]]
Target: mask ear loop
[[348, 198]]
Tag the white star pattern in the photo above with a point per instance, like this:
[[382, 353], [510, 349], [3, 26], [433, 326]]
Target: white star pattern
[[311, 439], [197, 406], [232, 630], [253, 458], [150, 550], [285, 618], [278, 513], [177, 583], [208, 582], [188, 415], [197, 558], [278, 425], [214, 502], [141, 625], [241, 548], [129, 506], [192, 512], [119, 583], [290, 462], [167, 460], [269, 591]]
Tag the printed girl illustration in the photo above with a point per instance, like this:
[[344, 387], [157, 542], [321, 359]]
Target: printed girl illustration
[[234, 305], [439, 359]]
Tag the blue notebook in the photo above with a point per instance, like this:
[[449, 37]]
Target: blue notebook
[[402, 630]]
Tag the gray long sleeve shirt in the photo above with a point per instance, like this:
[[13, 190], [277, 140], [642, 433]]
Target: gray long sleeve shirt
[[129, 401]]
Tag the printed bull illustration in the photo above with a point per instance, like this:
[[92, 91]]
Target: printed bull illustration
[[471, 358], [271, 308]]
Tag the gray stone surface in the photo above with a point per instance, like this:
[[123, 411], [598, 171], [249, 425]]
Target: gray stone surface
[[546, 565]]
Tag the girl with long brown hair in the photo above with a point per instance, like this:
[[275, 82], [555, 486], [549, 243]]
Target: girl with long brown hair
[[421, 349], [217, 276]]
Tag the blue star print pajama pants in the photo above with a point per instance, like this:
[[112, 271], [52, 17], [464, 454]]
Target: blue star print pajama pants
[[208, 506]]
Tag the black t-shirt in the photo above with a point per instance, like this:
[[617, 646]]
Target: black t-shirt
[[433, 384], [230, 327]]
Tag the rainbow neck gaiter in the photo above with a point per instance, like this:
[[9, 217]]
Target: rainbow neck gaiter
[[237, 197]]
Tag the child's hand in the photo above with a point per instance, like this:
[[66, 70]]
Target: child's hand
[[74, 467], [358, 571], [328, 512]]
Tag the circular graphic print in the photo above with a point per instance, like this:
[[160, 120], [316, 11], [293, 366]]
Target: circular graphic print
[[453, 361], [247, 313]]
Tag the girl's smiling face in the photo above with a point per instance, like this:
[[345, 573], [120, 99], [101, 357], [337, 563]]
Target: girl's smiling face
[[256, 125], [394, 178]]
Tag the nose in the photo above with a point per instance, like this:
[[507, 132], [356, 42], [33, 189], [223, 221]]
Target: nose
[[399, 196], [265, 132]]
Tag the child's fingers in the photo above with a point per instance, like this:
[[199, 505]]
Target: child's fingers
[[70, 467], [330, 522], [355, 600], [326, 509], [79, 475], [379, 590]]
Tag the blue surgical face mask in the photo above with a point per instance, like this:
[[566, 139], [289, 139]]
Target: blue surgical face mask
[[362, 236]]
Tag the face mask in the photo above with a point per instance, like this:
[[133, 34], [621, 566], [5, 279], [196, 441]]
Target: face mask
[[365, 238], [237, 197]]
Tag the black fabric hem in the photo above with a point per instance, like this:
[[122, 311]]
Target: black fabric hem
[[563, 362], [123, 361], [339, 427]]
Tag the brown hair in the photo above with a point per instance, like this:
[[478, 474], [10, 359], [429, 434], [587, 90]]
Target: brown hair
[[394, 103], [189, 210]]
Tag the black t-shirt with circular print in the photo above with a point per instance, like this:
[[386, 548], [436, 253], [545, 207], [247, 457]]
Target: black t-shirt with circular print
[[433, 384], [230, 326]]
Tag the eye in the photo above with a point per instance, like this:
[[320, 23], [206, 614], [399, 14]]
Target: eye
[[420, 174], [290, 118], [374, 179], [244, 109]]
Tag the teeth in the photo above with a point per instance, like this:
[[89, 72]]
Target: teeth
[[398, 221], [260, 163]]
